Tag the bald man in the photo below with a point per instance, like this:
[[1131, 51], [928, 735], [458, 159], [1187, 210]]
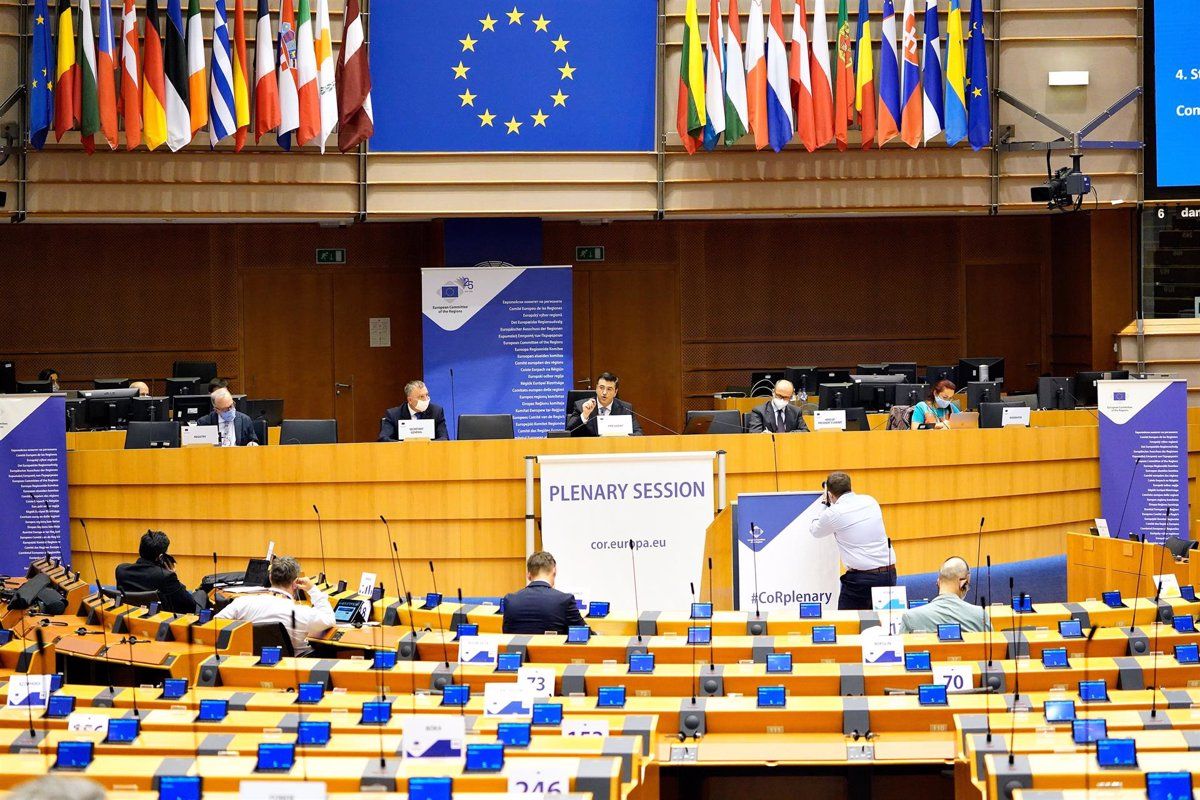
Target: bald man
[[142, 388], [233, 427], [954, 579], [777, 415]]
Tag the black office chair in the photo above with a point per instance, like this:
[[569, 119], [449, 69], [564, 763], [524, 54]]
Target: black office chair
[[272, 634], [728, 421], [485, 426], [146, 435], [308, 431], [112, 593], [1180, 548], [260, 430], [143, 599], [204, 371]]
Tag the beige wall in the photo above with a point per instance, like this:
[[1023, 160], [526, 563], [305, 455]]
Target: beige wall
[[1100, 36]]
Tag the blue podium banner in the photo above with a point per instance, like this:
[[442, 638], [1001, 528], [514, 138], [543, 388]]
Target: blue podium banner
[[777, 562], [498, 340], [1144, 458], [33, 481]]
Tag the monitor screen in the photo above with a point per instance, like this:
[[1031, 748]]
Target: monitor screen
[[1059, 710], [180, 787], [610, 697], [810, 611], [270, 656], [702, 610], [456, 694], [1088, 731], [918, 603], [598, 609], [383, 659], [60, 706], [699, 635], [918, 661], [122, 730], [1093, 691], [312, 732], [547, 713], [1116, 753], [56, 681], [466, 629], [771, 697], [779, 662], [578, 634], [1112, 599], [73, 755], [1187, 653], [1070, 629], [5, 636], [1022, 603], [949, 632], [430, 788], [1188, 592], [1184, 623], [1055, 658], [824, 634], [205, 616], [174, 688], [349, 610], [275, 757], [376, 712], [433, 600], [514, 734], [641, 662], [1169, 786], [310, 693], [508, 662], [212, 710], [932, 694], [484, 758]]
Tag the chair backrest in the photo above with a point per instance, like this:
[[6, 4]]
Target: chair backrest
[[111, 593], [727, 421], [144, 435], [485, 426], [143, 599], [575, 395], [900, 418], [272, 634], [308, 431], [205, 371], [260, 430]]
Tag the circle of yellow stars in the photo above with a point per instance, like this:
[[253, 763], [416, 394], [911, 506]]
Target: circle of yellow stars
[[488, 25], [40, 20]]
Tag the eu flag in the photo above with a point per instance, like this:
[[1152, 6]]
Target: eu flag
[[41, 77], [979, 99], [522, 75]]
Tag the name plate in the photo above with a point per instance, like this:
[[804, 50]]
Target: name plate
[[618, 425], [414, 429], [1014, 416], [190, 435], [829, 420]]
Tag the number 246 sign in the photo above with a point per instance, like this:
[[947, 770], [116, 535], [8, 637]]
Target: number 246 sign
[[528, 776]]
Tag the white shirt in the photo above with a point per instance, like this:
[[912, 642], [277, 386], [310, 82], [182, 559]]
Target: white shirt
[[275, 605], [228, 432], [855, 521]]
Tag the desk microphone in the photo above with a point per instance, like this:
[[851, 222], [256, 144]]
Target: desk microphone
[[394, 559], [978, 553], [712, 659], [216, 651], [754, 561], [987, 685], [321, 539], [1017, 653], [637, 610], [1125, 507], [403, 585], [41, 646], [453, 405], [412, 664], [103, 628], [775, 458], [1137, 593], [441, 625], [695, 678], [1157, 626]]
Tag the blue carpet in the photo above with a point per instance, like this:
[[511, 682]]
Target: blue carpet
[[1044, 579]]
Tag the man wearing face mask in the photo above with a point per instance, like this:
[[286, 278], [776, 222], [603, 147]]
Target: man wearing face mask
[[777, 415], [416, 407], [234, 429]]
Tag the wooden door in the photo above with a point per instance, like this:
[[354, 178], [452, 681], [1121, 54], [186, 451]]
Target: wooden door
[[1004, 318]]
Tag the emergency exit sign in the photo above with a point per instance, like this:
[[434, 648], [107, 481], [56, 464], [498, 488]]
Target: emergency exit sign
[[331, 255], [594, 253]]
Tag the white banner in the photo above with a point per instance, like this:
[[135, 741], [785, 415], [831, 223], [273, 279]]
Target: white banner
[[778, 562], [592, 505]]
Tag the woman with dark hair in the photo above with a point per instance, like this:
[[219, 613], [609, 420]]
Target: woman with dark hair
[[934, 411], [49, 375]]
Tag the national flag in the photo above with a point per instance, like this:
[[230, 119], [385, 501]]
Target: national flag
[[756, 76], [889, 77], [289, 101], [843, 98], [66, 81], [241, 80], [689, 110], [306, 77], [801, 79], [222, 120], [131, 77], [714, 80], [41, 77], [326, 72], [89, 98], [931, 77], [780, 118], [197, 85], [179, 116], [864, 70], [822, 79], [106, 69], [154, 90], [956, 76], [737, 115], [266, 85], [979, 103], [356, 117], [910, 80]]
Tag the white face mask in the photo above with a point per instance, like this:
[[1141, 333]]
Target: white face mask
[[942, 402], [779, 404], [422, 405]]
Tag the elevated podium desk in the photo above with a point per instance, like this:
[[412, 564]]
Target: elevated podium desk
[[1096, 564]]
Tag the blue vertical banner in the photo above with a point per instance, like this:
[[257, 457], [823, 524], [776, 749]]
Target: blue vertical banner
[[777, 562], [33, 481], [498, 340], [1144, 458]]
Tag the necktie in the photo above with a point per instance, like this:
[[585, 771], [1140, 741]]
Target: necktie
[[603, 411], [781, 424]]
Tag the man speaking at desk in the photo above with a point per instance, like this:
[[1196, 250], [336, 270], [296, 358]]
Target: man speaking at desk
[[416, 406], [582, 420]]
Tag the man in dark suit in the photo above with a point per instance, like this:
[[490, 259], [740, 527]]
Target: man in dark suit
[[233, 427], [154, 571], [777, 415], [539, 607], [582, 420], [417, 407]]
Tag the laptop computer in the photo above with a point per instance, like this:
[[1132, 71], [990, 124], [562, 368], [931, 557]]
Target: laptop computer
[[964, 419], [257, 573]]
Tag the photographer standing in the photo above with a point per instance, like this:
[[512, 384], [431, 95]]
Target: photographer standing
[[154, 571], [855, 521]]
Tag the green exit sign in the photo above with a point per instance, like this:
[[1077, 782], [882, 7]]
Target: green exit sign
[[594, 253], [331, 255]]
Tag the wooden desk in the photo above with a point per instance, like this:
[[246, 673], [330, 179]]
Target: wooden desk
[[1078, 771], [1096, 564]]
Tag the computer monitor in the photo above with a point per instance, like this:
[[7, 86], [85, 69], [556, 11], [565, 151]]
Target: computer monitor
[[980, 392], [34, 387], [978, 370], [270, 411], [1056, 394], [313, 431], [187, 408], [110, 383], [150, 409], [803, 379], [150, 435], [1030, 401], [178, 386], [991, 415], [905, 368], [933, 374], [202, 371], [1085, 385], [108, 408], [762, 383], [870, 369], [75, 420], [856, 419], [728, 421], [830, 376], [874, 391], [8, 377], [909, 394], [836, 395]]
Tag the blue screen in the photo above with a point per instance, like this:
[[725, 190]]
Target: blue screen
[[1112, 599], [383, 659], [578, 634], [1169, 785], [779, 662], [918, 603], [1176, 94], [485, 757], [60, 706], [949, 632], [932, 694], [180, 787], [514, 734], [5, 636], [641, 662], [429, 788], [275, 756], [1088, 731], [699, 635], [56, 681], [1184, 623], [771, 697], [1116, 753], [810, 611], [547, 713], [917, 662], [433, 600], [1093, 691], [598, 608], [205, 616], [701, 610], [269, 656], [313, 732], [1059, 710], [610, 697], [1187, 653], [375, 712], [213, 710], [74, 755], [310, 693], [824, 634], [466, 629], [1188, 592], [174, 688], [1022, 603], [121, 731], [1070, 629], [456, 694], [1055, 658], [508, 662]]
